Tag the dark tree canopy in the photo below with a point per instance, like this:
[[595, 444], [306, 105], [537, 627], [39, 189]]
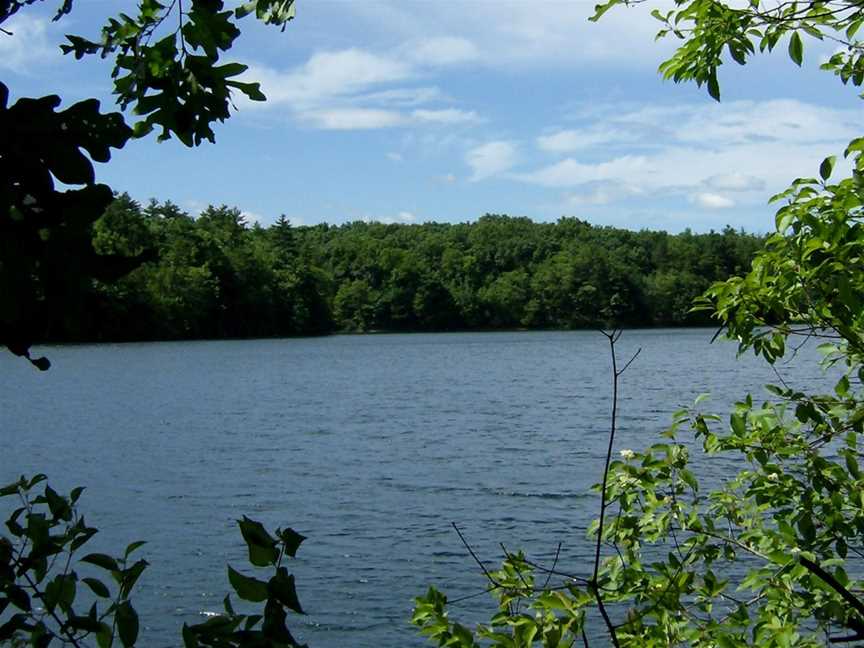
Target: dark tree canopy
[[174, 79], [216, 277]]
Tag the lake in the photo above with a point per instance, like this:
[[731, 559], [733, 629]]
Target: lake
[[369, 445]]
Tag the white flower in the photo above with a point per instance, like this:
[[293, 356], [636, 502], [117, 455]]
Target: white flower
[[627, 454]]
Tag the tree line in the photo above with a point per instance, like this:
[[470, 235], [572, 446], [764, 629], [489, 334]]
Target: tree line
[[215, 276]]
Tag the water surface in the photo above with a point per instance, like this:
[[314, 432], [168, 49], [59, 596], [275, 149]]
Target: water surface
[[369, 445]]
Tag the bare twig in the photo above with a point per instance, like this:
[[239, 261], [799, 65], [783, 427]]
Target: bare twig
[[554, 564], [486, 573], [613, 337]]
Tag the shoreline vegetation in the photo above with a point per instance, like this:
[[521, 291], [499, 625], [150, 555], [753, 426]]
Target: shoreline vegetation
[[217, 277]]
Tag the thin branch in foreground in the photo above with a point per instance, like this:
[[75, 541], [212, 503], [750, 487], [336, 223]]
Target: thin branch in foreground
[[613, 337], [486, 573], [554, 564]]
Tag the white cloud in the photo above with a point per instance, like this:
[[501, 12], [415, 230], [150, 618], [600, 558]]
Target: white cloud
[[601, 194], [712, 201], [514, 32], [567, 141], [403, 97], [353, 89], [786, 120], [491, 159], [327, 75], [701, 151], [394, 156], [569, 172], [443, 50], [448, 178], [354, 118], [251, 218], [404, 217], [446, 116], [735, 182], [374, 118], [28, 44]]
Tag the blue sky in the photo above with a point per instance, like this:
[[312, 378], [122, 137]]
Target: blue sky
[[414, 110]]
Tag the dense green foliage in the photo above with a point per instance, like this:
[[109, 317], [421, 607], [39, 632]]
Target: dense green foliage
[[771, 554], [216, 277]]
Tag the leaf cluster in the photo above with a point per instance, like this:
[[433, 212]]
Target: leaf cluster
[[42, 574], [279, 595], [171, 73], [713, 31]]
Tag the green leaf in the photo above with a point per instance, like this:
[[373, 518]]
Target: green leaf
[[713, 85], [796, 48], [18, 597], [101, 560], [130, 576], [281, 587], [85, 623], [58, 505], [127, 623], [601, 9], [105, 637], [689, 479], [13, 488], [827, 167], [247, 588], [60, 591], [291, 540], [133, 546], [97, 586], [189, 638], [852, 465], [251, 90], [261, 545], [806, 527]]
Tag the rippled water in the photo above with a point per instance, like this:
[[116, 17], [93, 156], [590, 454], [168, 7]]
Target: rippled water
[[369, 445]]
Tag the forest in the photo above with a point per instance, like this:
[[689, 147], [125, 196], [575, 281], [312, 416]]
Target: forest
[[215, 276]]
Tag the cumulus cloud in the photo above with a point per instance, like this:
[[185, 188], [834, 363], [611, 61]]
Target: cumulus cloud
[[567, 141], [353, 118], [443, 50], [535, 34], [446, 116], [355, 89], [601, 194], [374, 118], [735, 182], [712, 200], [327, 75], [700, 151], [403, 97], [490, 159], [26, 44], [569, 172], [252, 218]]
